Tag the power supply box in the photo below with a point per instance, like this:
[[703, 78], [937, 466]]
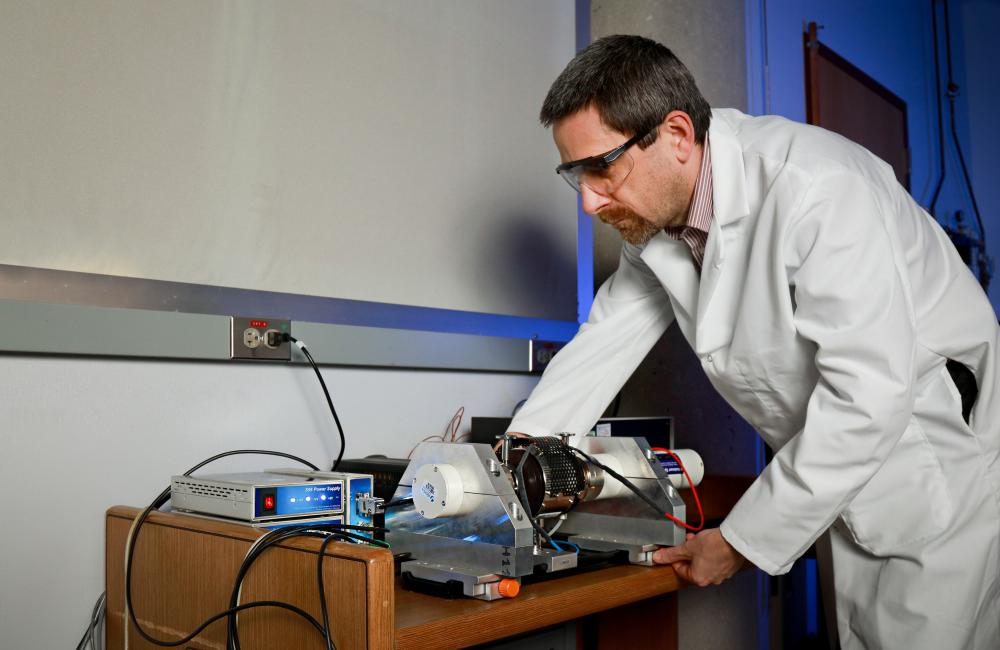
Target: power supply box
[[277, 495]]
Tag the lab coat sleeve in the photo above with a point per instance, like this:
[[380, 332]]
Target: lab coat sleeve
[[630, 313], [851, 300]]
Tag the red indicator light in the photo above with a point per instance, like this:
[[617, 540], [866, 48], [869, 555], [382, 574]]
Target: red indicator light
[[268, 503], [258, 323]]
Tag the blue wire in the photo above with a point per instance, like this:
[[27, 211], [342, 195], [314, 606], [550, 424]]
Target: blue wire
[[561, 549]]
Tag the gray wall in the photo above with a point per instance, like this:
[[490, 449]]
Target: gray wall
[[709, 36]]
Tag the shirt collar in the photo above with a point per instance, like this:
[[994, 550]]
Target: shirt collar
[[702, 209]]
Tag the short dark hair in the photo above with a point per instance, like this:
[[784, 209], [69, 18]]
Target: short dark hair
[[633, 82]]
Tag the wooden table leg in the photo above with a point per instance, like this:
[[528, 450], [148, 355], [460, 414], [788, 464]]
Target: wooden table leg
[[650, 624]]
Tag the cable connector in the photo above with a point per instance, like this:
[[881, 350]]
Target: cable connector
[[274, 338], [366, 505], [284, 337]]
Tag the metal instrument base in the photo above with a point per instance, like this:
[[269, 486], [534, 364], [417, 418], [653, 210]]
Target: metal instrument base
[[637, 553], [484, 585], [481, 586]]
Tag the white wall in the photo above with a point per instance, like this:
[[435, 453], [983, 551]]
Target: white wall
[[80, 435], [366, 149]]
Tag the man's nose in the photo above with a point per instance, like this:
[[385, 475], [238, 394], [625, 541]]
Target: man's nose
[[592, 201]]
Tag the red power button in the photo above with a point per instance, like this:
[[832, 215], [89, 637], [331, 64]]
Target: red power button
[[268, 503]]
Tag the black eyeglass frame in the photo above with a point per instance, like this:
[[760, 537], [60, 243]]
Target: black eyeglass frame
[[603, 161]]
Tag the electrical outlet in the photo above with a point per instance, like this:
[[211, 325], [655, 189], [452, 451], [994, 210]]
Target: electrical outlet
[[260, 338], [540, 353]]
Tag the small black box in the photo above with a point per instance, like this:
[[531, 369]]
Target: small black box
[[387, 472], [658, 431]]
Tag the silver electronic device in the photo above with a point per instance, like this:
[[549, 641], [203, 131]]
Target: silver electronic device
[[467, 514], [280, 495]]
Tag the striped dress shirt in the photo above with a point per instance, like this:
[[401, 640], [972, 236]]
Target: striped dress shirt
[[694, 232]]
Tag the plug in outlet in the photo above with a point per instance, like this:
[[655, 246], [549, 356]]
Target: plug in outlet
[[260, 338], [540, 353]]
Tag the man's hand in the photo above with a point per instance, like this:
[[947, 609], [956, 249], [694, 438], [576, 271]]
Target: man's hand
[[704, 559]]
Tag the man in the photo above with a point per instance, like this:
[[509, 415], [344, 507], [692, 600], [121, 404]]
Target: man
[[823, 304]]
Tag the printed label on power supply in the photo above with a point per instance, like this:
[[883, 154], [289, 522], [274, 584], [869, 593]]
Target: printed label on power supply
[[300, 500]]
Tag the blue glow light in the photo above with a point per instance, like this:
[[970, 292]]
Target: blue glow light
[[812, 606]]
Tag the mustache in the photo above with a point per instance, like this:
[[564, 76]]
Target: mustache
[[611, 216], [632, 228]]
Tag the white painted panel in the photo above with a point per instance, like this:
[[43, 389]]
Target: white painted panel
[[376, 150]]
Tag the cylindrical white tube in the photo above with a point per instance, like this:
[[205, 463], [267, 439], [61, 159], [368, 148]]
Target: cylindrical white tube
[[692, 462], [612, 486]]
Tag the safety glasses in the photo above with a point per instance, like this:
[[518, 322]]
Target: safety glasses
[[604, 173]]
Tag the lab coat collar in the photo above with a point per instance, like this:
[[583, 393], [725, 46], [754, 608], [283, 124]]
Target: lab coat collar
[[730, 198], [728, 175], [670, 260]]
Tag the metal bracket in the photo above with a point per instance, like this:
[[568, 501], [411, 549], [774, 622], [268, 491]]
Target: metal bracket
[[637, 553], [481, 586]]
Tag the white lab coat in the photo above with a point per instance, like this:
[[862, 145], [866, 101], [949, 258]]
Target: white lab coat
[[826, 308]]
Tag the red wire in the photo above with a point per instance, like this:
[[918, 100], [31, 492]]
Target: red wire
[[694, 492]]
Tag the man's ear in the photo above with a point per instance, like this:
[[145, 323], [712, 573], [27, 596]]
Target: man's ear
[[678, 131]]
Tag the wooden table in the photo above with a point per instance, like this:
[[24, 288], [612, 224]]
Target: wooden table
[[185, 566], [622, 607]]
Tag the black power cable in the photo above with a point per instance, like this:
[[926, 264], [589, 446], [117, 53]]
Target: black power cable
[[302, 346], [90, 634], [157, 503], [522, 495], [621, 479], [163, 497], [940, 125], [262, 543], [275, 537], [635, 490], [952, 93], [322, 591]]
